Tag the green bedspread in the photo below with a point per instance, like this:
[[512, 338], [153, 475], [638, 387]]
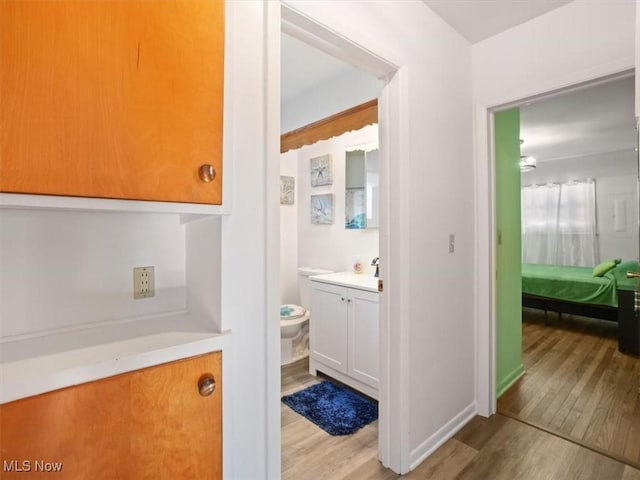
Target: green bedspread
[[573, 284], [620, 274]]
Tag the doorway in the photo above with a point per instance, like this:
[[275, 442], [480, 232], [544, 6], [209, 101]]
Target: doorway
[[577, 384], [305, 30]]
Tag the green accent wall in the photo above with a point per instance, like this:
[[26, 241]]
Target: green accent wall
[[508, 250]]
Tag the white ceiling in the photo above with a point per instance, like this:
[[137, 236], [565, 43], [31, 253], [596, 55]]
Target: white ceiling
[[595, 120], [304, 67], [477, 20]]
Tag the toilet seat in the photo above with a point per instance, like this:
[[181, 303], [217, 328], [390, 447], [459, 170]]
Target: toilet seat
[[291, 312]]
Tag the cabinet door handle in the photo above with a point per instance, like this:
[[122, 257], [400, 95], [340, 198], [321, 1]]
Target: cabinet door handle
[[206, 384], [207, 173], [349, 301], [342, 299]]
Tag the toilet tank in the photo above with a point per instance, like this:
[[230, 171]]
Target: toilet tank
[[304, 286]]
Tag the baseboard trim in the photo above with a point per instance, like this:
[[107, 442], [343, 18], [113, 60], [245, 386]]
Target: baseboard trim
[[435, 441], [509, 380]]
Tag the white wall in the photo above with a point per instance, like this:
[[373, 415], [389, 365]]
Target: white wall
[[289, 233], [346, 90], [572, 44], [250, 238], [428, 180], [616, 183], [333, 246], [575, 43], [65, 269]]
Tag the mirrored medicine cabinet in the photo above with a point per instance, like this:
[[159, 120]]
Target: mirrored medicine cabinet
[[362, 183]]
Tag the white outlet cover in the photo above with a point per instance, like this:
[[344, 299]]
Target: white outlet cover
[[143, 282]]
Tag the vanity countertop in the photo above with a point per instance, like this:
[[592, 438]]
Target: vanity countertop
[[361, 281]]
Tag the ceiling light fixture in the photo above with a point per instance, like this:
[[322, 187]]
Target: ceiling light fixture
[[527, 162]]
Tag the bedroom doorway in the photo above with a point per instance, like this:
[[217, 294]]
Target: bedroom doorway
[[558, 367]]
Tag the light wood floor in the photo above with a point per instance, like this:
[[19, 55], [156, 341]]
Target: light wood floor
[[308, 452], [577, 384], [495, 448]]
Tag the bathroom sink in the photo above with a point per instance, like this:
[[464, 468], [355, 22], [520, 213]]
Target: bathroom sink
[[362, 281]]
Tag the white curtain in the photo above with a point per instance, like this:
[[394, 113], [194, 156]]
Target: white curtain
[[559, 224]]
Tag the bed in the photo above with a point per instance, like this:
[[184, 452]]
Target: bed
[[574, 290]]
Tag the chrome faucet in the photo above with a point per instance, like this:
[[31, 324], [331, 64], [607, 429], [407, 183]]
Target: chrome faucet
[[375, 263]]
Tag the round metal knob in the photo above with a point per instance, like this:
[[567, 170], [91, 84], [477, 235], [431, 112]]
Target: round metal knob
[[206, 385], [207, 173]]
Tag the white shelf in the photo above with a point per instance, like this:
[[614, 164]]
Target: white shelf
[[52, 202], [31, 366]]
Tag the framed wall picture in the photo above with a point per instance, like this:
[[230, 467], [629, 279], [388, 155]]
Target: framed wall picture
[[322, 209], [287, 190], [321, 171]]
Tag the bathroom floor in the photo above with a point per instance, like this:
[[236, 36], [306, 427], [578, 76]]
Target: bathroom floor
[[308, 452]]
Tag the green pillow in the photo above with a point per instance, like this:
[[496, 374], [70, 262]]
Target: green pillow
[[602, 268]]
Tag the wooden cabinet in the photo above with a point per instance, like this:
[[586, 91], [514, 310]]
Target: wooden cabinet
[[112, 99], [148, 424], [344, 333]]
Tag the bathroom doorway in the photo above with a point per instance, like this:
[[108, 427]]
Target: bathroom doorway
[[307, 241]]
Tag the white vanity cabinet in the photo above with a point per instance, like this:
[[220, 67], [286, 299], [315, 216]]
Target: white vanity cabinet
[[344, 330]]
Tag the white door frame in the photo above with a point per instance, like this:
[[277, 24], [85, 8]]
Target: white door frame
[[485, 298], [393, 420], [485, 301]]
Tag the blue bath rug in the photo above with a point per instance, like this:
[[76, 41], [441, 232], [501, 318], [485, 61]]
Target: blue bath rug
[[334, 408]]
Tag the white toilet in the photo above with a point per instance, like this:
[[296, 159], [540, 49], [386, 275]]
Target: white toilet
[[294, 320]]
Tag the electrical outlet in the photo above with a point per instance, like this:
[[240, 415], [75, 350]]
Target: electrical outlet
[[452, 243], [143, 282]]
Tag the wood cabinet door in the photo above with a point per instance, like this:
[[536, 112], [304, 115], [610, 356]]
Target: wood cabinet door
[[364, 345], [148, 424], [328, 325], [112, 98]]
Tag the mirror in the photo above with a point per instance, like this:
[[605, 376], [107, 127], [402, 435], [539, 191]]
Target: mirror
[[362, 180]]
